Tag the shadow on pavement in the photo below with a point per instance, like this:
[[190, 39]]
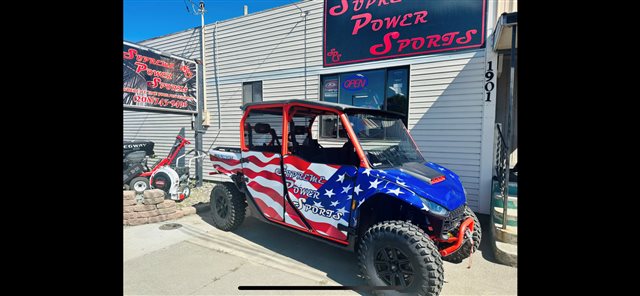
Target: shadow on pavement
[[339, 265], [485, 244]]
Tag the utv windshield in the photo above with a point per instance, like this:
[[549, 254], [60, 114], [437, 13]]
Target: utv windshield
[[385, 140]]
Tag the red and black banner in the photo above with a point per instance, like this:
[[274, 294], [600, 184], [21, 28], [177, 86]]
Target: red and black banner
[[366, 30], [157, 82]]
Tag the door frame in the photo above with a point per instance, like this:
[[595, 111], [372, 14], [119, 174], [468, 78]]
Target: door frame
[[343, 119], [286, 108]]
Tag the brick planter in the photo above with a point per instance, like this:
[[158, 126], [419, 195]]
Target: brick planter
[[152, 208]]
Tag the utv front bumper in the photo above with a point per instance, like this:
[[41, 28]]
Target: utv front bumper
[[458, 240]]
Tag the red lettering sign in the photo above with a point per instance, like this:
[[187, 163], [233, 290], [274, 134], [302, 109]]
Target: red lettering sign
[[364, 30]]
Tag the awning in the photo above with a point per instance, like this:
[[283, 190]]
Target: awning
[[502, 36]]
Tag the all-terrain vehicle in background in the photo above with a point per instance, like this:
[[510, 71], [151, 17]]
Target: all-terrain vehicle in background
[[361, 184]]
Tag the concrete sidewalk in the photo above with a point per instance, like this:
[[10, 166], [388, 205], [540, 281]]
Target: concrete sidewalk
[[198, 259]]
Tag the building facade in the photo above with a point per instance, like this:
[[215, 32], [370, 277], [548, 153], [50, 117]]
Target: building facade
[[278, 54]]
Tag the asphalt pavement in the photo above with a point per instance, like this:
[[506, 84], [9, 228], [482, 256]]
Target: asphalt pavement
[[198, 259]]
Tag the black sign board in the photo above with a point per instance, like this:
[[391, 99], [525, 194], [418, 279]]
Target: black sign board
[[154, 81], [366, 30]]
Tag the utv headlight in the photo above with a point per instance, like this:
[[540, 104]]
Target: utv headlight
[[435, 208]]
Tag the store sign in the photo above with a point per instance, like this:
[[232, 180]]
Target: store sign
[[366, 30], [355, 82], [330, 88], [157, 82]]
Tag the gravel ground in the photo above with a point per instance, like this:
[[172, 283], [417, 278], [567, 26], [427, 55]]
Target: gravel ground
[[198, 195]]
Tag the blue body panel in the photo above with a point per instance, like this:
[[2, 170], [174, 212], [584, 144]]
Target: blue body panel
[[396, 183]]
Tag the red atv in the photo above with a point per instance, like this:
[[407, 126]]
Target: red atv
[[352, 177]]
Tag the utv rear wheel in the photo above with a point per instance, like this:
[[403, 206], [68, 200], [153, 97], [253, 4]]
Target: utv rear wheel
[[227, 206], [398, 253], [465, 250], [139, 184]]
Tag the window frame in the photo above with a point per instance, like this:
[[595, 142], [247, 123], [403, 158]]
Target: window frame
[[243, 145], [253, 98], [338, 75]]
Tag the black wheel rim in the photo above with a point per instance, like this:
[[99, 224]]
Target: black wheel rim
[[222, 206], [393, 267]]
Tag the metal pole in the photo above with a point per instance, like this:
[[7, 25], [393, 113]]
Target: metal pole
[[305, 55], [512, 72], [215, 74], [201, 100]]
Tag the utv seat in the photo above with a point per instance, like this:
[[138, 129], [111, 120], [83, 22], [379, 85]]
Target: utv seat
[[274, 146]]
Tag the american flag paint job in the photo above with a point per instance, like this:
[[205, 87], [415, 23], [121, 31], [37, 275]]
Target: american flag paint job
[[225, 162], [315, 190], [323, 193], [264, 185], [396, 183]]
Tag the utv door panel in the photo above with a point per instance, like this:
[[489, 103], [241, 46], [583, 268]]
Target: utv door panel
[[322, 193], [259, 169]]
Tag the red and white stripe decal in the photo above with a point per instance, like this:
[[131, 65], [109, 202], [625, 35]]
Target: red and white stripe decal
[[225, 162], [264, 184]]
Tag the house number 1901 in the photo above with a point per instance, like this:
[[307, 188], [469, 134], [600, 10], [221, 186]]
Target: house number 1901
[[489, 85]]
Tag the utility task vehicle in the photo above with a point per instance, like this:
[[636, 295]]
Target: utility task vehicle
[[352, 177]]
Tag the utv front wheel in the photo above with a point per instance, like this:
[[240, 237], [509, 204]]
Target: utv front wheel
[[398, 253], [465, 250], [227, 206]]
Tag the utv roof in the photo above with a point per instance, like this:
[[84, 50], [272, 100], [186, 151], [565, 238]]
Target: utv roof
[[336, 106]]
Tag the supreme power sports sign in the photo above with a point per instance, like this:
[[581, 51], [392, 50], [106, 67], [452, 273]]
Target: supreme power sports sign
[[157, 82], [366, 30]]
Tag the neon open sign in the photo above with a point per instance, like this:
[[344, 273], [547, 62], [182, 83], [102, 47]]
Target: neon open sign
[[355, 82]]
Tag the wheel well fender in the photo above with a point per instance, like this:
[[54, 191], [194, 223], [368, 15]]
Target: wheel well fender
[[383, 207]]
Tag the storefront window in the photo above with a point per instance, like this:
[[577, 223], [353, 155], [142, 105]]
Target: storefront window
[[397, 92], [384, 89], [362, 89]]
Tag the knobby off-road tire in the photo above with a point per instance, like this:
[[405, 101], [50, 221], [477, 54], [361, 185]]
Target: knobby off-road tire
[[413, 251], [227, 206], [465, 250]]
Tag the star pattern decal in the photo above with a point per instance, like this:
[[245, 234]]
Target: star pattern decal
[[341, 178], [329, 192], [374, 183], [357, 190], [361, 184], [424, 208], [396, 191]]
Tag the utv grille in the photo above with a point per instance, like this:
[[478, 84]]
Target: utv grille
[[453, 220]]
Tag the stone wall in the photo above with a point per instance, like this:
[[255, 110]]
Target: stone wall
[[150, 207]]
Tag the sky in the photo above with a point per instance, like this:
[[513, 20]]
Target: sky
[[144, 19]]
